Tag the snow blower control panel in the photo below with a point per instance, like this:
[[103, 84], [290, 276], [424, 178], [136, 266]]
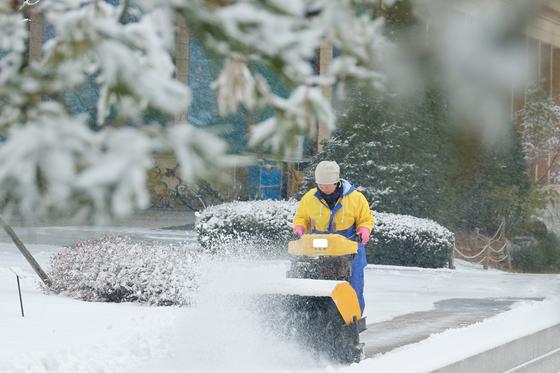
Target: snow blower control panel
[[322, 245]]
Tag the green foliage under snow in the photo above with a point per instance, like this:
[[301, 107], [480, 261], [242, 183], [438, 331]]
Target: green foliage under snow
[[536, 249], [394, 154]]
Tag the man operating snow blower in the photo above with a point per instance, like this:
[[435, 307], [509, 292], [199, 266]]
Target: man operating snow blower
[[320, 302], [336, 207]]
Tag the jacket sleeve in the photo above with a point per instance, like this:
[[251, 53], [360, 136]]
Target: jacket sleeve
[[302, 216], [365, 217]]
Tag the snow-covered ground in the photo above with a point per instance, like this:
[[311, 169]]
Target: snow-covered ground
[[59, 334]]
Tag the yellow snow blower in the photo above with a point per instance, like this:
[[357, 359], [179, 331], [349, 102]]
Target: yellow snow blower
[[315, 305]]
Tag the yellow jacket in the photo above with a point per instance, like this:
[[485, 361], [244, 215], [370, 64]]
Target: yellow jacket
[[350, 212]]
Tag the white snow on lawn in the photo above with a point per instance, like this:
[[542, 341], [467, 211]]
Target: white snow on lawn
[[61, 335]]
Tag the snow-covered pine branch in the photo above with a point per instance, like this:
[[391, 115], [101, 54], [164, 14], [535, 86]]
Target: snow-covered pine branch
[[130, 59], [284, 37], [54, 163]]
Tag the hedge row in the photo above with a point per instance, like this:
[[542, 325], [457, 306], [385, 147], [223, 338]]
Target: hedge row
[[409, 241], [118, 269], [246, 228], [264, 228]]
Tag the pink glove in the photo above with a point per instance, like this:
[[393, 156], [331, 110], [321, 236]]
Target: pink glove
[[363, 233], [299, 230]]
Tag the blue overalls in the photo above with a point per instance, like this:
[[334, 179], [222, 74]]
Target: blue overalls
[[360, 260]]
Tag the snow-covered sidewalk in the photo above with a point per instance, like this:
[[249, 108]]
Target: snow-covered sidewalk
[[59, 334]]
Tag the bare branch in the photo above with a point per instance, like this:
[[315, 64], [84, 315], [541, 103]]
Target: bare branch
[[124, 11]]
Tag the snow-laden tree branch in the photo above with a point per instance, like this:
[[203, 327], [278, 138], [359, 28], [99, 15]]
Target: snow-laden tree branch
[[284, 36], [53, 163], [29, 3]]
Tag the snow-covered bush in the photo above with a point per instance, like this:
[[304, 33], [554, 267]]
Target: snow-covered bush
[[409, 241], [537, 249], [117, 269], [264, 227], [256, 227]]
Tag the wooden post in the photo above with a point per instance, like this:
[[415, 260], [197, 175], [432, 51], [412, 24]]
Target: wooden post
[[35, 34], [451, 259], [486, 256], [507, 251], [473, 240], [182, 61], [20, 298]]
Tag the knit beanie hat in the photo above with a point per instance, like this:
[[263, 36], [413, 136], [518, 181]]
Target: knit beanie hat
[[327, 172]]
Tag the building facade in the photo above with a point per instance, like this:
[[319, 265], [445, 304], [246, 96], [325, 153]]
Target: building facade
[[543, 68]]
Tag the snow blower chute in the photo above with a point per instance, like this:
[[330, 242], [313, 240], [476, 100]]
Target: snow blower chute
[[316, 305]]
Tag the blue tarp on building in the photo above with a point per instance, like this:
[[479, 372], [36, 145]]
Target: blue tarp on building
[[264, 182]]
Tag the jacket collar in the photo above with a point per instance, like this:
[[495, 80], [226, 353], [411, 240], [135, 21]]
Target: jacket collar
[[347, 188]]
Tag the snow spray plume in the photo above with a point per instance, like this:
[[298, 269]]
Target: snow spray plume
[[227, 328]]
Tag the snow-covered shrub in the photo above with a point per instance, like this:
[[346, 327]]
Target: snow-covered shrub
[[255, 227], [265, 227], [409, 241], [118, 269], [536, 250]]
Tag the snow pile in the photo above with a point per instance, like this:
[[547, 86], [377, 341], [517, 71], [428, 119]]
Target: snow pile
[[116, 269], [264, 228]]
